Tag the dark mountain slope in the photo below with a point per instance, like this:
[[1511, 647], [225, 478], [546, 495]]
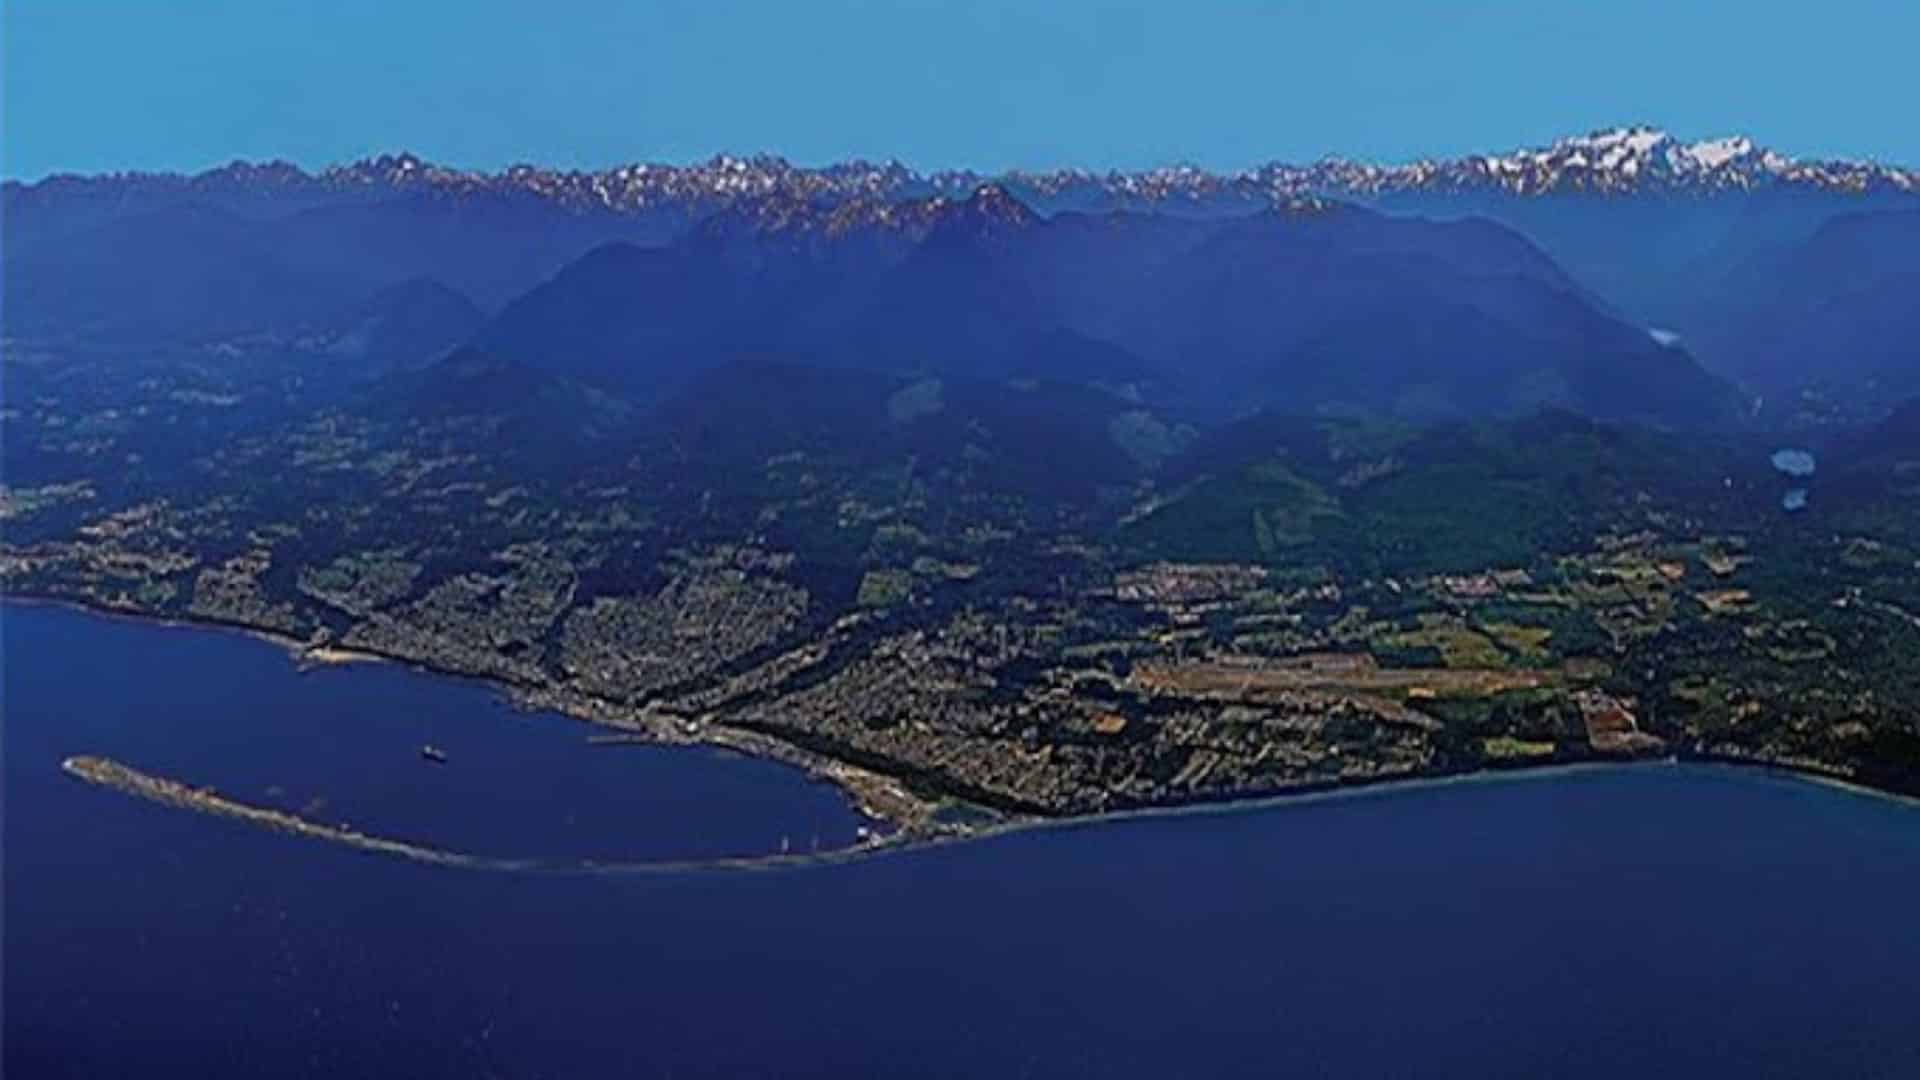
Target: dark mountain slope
[[490, 247], [402, 327], [639, 319], [1410, 318], [197, 271], [1897, 434], [1044, 440], [1373, 498], [1334, 307], [1839, 311], [187, 272], [504, 410], [951, 301], [963, 304]]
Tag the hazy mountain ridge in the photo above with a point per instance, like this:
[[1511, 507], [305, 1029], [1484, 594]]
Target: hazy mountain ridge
[[1109, 278], [1301, 308]]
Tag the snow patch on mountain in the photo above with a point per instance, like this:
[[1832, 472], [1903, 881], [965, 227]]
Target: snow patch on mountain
[[1713, 153]]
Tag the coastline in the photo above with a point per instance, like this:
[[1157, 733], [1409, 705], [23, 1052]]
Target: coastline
[[301, 652], [176, 794], [877, 797], [852, 781]]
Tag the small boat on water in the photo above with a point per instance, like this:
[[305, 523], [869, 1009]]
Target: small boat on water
[[434, 754]]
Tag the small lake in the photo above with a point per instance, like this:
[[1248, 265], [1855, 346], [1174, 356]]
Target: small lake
[[1651, 920]]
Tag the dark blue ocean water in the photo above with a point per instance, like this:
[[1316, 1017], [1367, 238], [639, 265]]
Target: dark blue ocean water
[[1649, 921]]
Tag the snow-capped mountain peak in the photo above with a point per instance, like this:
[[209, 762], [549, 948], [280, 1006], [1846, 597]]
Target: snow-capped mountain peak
[[1618, 145], [1713, 153], [1626, 159]]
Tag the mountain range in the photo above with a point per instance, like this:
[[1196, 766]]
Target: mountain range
[[1624, 274], [1619, 160]]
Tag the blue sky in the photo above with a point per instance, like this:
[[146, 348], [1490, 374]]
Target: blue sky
[[91, 85]]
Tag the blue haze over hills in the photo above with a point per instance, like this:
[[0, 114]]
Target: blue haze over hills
[[1624, 274]]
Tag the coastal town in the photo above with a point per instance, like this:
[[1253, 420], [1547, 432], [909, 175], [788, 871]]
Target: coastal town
[[943, 707]]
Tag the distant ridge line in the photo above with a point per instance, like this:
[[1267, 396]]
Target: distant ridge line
[[1618, 161]]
